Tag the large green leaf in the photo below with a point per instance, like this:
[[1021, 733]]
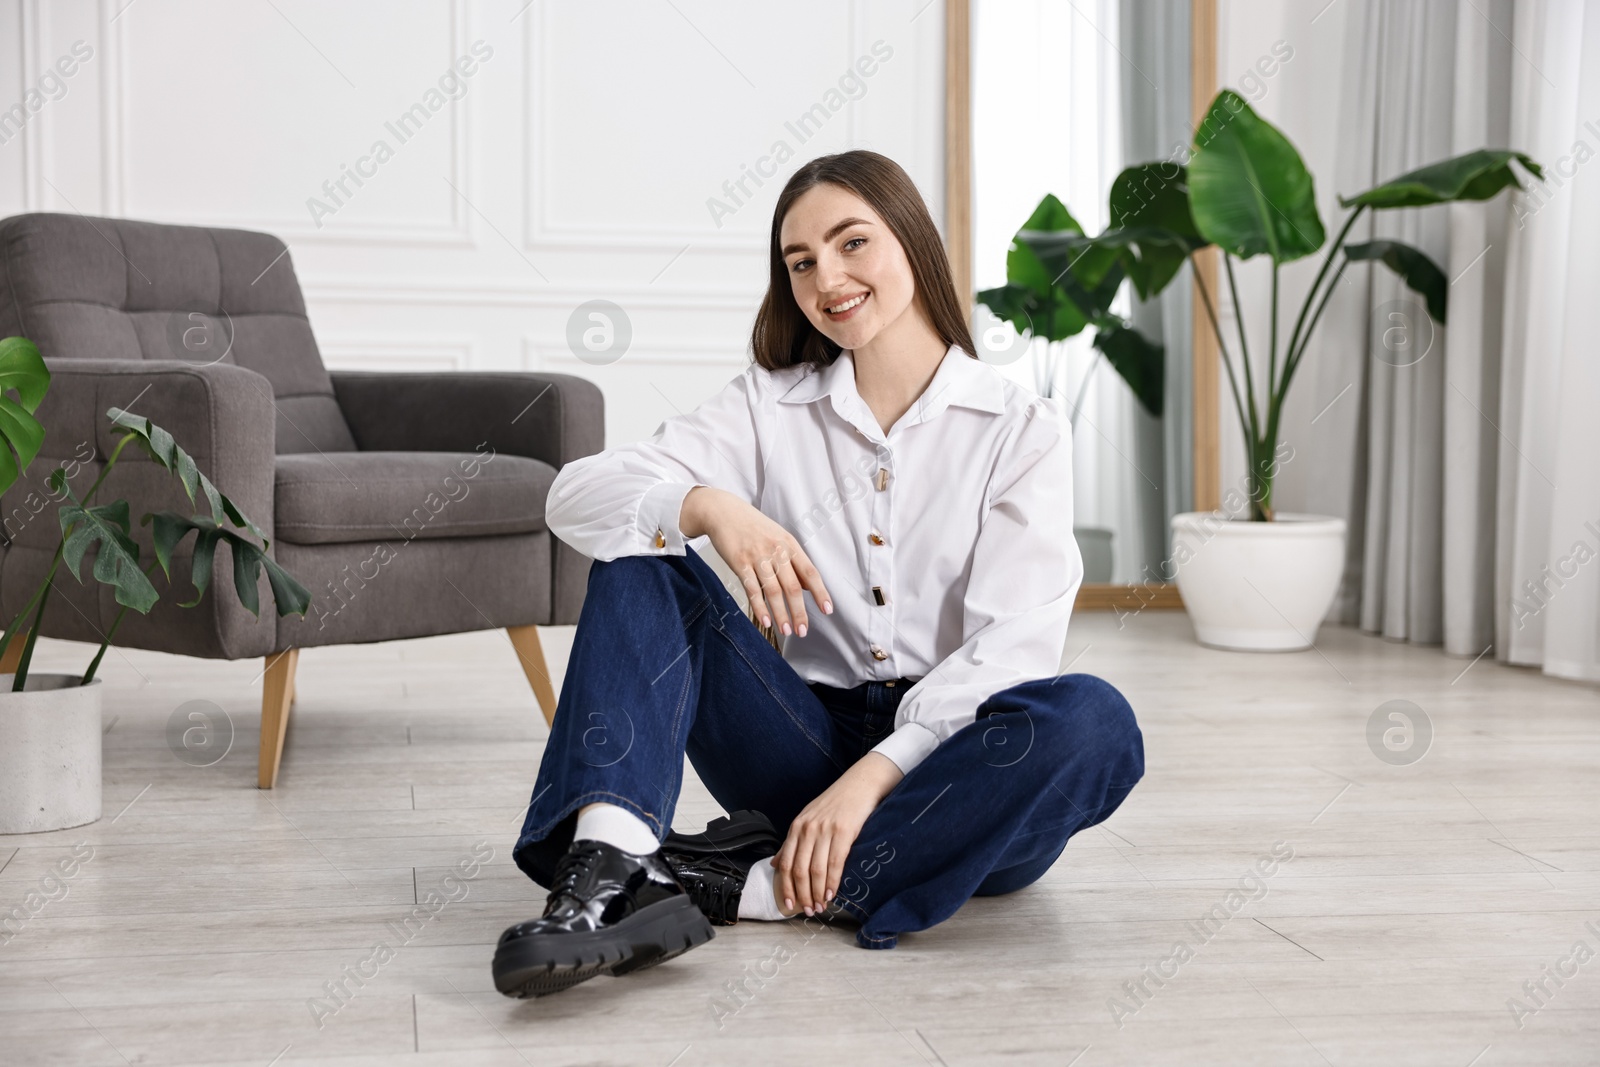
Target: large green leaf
[[1473, 176], [165, 451], [1022, 264], [1087, 269], [1414, 267], [1053, 317], [117, 559], [22, 370], [1249, 190], [1150, 213], [168, 528], [1140, 362], [1153, 195]]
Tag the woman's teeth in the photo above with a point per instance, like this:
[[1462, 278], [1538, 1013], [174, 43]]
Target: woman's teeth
[[840, 309]]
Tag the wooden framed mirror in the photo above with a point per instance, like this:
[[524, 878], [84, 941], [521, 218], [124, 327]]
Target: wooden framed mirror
[[995, 173]]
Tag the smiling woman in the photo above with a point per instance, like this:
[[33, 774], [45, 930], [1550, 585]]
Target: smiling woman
[[869, 458]]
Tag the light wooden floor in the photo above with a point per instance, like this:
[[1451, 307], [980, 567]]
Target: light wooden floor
[[1419, 898]]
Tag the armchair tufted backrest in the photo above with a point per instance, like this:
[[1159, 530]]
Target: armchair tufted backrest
[[82, 287]]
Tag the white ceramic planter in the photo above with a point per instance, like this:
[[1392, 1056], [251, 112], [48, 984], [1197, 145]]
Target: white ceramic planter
[[49, 753], [1257, 586]]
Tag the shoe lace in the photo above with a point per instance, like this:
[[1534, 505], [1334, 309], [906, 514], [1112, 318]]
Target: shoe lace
[[573, 867]]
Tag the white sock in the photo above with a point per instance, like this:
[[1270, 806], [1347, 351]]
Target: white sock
[[756, 900], [616, 826]]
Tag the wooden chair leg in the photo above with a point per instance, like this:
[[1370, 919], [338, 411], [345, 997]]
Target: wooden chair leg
[[525, 639], [13, 656], [277, 692]]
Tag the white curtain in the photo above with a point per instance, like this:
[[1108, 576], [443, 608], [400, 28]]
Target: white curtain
[[1548, 567], [1047, 119], [1467, 468]]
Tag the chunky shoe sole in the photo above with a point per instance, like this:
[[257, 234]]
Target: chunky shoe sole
[[540, 964], [729, 835]]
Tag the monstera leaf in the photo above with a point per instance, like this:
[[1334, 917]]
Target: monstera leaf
[[117, 560], [168, 528], [21, 436], [165, 451]]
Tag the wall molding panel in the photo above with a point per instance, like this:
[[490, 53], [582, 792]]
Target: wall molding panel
[[576, 163]]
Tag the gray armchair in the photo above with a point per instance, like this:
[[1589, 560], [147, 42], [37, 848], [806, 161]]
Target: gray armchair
[[409, 504]]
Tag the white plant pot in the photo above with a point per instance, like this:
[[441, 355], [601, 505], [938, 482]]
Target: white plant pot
[[1257, 586], [49, 753]]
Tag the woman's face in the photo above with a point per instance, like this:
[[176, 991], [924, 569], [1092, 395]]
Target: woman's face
[[848, 272]]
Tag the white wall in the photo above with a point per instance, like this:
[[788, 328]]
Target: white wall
[[575, 163], [1301, 98]]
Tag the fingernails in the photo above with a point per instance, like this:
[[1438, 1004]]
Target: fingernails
[[828, 895], [802, 629], [827, 607], [766, 620], [788, 902], [786, 629]]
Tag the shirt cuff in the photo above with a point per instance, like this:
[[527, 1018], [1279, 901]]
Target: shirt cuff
[[908, 746], [657, 522]]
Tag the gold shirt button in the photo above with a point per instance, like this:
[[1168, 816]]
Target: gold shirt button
[[883, 478], [874, 538], [877, 595], [661, 538], [878, 653]]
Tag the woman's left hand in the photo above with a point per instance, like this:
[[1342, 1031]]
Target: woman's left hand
[[810, 865]]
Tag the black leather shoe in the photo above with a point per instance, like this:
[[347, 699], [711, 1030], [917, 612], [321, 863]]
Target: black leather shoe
[[609, 912], [713, 866]]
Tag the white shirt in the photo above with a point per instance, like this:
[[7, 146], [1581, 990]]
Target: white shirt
[[960, 517]]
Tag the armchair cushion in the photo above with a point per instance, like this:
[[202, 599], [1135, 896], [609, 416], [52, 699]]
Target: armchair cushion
[[553, 418], [385, 496]]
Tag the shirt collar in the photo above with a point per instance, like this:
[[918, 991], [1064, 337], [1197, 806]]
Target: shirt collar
[[960, 381]]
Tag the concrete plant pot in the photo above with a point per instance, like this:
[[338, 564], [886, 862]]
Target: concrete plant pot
[[49, 753], [1257, 586], [1094, 545]]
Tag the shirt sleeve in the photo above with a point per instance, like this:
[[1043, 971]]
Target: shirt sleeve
[[1026, 570], [626, 501]]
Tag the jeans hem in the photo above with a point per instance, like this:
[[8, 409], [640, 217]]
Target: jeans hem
[[580, 801], [866, 940]]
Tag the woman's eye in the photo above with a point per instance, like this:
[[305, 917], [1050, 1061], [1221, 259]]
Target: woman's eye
[[800, 265], [855, 241]]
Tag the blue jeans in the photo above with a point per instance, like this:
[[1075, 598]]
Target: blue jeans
[[666, 664]]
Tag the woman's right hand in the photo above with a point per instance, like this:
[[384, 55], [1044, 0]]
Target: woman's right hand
[[766, 557]]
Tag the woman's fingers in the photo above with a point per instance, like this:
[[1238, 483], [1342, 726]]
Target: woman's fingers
[[795, 593], [772, 590], [752, 591], [827, 843], [811, 578], [836, 859], [783, 864], [802, 869]]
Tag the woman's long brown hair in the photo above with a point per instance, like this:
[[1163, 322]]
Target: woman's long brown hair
[[783, 336]]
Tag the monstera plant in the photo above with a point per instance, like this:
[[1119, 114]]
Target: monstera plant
[[106, 527], [1247, 191]]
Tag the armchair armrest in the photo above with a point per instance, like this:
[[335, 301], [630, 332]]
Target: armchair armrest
[[222, 414], [555, 418]]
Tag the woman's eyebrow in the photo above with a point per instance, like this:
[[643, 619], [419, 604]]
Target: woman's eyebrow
[[833, 232]]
